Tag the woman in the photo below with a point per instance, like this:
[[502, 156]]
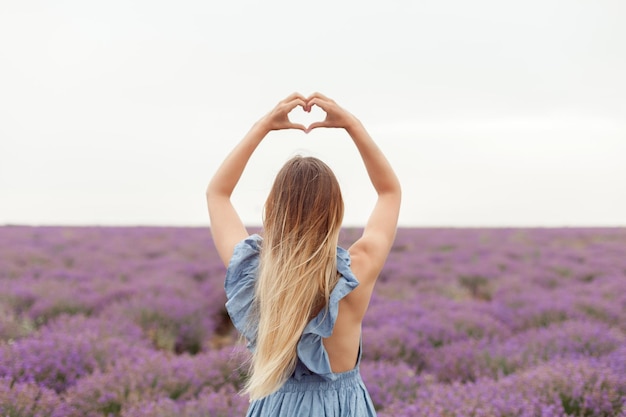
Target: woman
[[297, 297]]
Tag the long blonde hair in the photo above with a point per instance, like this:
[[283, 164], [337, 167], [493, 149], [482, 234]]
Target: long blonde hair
[[298, 267]]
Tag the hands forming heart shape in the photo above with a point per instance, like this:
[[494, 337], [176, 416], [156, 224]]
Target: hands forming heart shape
[[317, 110], [302, 117]]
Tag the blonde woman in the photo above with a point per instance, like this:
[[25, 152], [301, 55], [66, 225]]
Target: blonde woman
[[297, 297]]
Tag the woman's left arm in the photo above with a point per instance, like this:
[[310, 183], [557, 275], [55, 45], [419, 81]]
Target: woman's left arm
[[226, 226]]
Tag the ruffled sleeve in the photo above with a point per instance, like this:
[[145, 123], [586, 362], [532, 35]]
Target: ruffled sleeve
[[239, 284], [311, 351]]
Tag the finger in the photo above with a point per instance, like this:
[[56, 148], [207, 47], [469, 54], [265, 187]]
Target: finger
[[292, 96], [290, 105], [297, 126], [321, 103], [320, 96], [290, 125], [315, 125], [313, 97]]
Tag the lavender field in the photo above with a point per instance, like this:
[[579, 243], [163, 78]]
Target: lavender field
[[130, 322]]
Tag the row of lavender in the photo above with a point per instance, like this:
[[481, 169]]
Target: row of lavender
[[465, 322]]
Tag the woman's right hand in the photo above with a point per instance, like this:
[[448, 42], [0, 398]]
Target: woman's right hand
[[278, 117], [336, 116]]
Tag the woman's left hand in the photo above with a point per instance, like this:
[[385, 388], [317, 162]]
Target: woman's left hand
[[278, 117]]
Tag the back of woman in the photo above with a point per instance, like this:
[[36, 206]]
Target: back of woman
[[297, 297]]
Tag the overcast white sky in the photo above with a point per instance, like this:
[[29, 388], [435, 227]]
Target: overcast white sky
[[493, 113]]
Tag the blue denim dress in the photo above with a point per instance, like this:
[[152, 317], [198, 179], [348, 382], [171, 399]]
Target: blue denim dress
[[313, 389]]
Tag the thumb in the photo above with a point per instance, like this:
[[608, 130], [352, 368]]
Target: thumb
[[298, 126], [315, 125]]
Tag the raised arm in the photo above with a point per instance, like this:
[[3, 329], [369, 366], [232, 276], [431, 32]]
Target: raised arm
[[370, 251], [226, 226]]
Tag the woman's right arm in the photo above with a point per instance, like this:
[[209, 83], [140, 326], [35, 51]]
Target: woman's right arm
[[226, 227], [370, 251]]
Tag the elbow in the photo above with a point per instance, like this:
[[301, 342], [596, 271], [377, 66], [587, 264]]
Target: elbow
[[213, 188], [208, 192], [392, 188], [397, 188], [393, 194], [215, 192], [398, 195], [211, 192]]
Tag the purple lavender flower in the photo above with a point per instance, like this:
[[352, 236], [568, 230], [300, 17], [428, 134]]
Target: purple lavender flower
[[30, 400], [98, 321]]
